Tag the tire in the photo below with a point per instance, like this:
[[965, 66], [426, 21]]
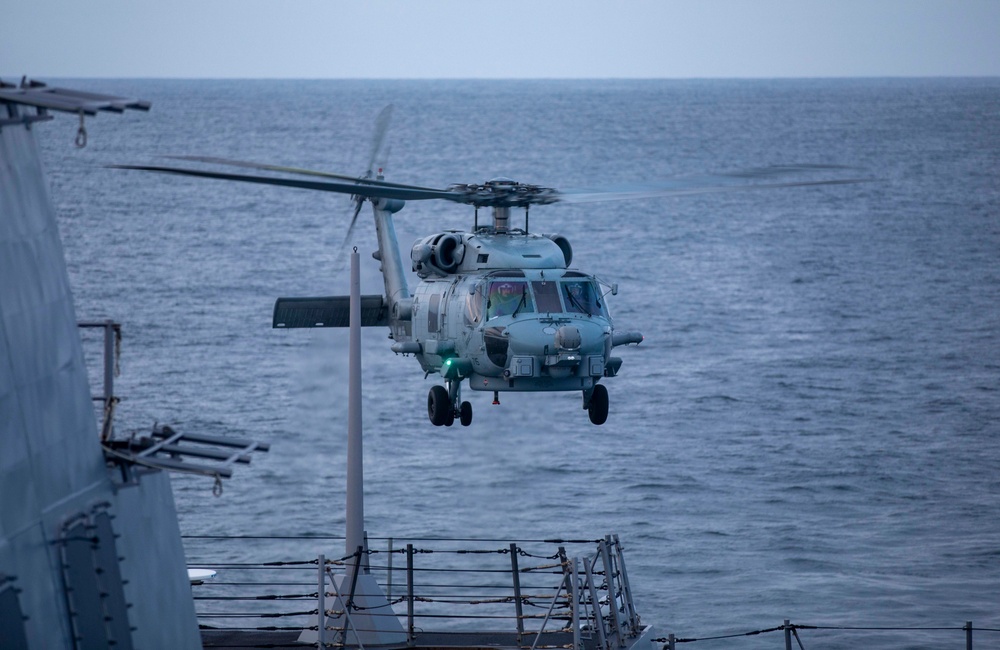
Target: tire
[[438, 406], [465, 414], [598, 407]]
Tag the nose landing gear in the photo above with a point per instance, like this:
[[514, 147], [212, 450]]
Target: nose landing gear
[[445, 404], [596, 402]]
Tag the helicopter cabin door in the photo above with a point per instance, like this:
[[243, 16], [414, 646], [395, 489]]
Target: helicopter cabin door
[[433, 315], [446, 323]]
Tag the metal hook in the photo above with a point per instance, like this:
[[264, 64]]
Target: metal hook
[[81, 134]]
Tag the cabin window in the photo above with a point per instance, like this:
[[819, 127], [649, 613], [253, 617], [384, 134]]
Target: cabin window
[[432, 313], [507, 297], [546, 296], [581, 297]]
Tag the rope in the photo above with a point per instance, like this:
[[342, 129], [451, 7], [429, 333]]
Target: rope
[[312, 612], [795, 627], [264, 597]]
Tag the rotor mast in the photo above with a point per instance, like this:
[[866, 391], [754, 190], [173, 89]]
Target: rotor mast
[[501, 218]]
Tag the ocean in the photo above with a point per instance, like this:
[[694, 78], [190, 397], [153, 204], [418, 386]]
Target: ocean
[[809, 430]]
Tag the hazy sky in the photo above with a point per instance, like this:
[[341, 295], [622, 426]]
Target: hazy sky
[[502, 39]]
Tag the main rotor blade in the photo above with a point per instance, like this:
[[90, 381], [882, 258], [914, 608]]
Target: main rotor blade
[[366, 188], [378, 138], [709, 184], [263, 167], [595, 196], [294, 170], [518, 195], [358, 204]]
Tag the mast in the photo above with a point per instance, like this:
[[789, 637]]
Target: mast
[[355, 452]]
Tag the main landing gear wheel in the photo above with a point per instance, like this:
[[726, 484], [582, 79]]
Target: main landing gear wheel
[[598, 407], [439, 406]]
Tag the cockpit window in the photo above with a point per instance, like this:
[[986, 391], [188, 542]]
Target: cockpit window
[[474, 305], [547, 296], [507, 297], [581, 297]]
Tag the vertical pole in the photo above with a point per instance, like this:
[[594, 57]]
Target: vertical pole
[[968, 635], [355, 452], [633, 618], [516, 577], [321, 630], [574, 594], [671, 642], [595, 604], [409, 595], [609, 578], [109, 376], [788, 635], [389, 586]]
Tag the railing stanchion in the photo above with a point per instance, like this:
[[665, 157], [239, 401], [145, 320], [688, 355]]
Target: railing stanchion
[[671, 642], [564, 583], [517, 592], [968, 635], [109, 379], [609, 579], [595, 603], [409, 595], [574, 594], [388, 587], [321, 603], [633, 617], [788, 634]]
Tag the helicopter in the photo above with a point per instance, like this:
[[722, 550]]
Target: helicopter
[[499, 307]]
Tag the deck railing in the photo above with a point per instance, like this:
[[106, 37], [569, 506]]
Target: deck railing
[[529, 593], [944, 636]]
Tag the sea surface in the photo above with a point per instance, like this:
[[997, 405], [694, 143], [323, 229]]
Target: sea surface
[[810, 430]]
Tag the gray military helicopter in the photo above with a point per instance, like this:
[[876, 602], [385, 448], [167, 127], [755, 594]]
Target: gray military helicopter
[[499, 306]]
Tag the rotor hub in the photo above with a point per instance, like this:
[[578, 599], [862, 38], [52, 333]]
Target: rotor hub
[[505, 193]]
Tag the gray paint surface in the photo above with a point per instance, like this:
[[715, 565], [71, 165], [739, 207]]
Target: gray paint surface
[[51, 463]]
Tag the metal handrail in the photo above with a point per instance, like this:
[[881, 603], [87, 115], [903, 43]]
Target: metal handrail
[[467, 593]]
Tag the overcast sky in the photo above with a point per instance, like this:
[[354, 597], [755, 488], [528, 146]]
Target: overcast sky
[[501, 39]]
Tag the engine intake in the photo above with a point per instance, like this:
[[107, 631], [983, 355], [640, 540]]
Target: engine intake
[[439, 254]]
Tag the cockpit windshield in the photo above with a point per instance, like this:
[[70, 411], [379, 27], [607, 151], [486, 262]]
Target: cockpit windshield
[[508, 297], [581, 296]]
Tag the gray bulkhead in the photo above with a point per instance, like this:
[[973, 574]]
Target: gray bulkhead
[[63, 519]]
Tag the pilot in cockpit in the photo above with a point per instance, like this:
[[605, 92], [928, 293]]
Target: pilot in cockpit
[[580, 298], [504, 299]]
